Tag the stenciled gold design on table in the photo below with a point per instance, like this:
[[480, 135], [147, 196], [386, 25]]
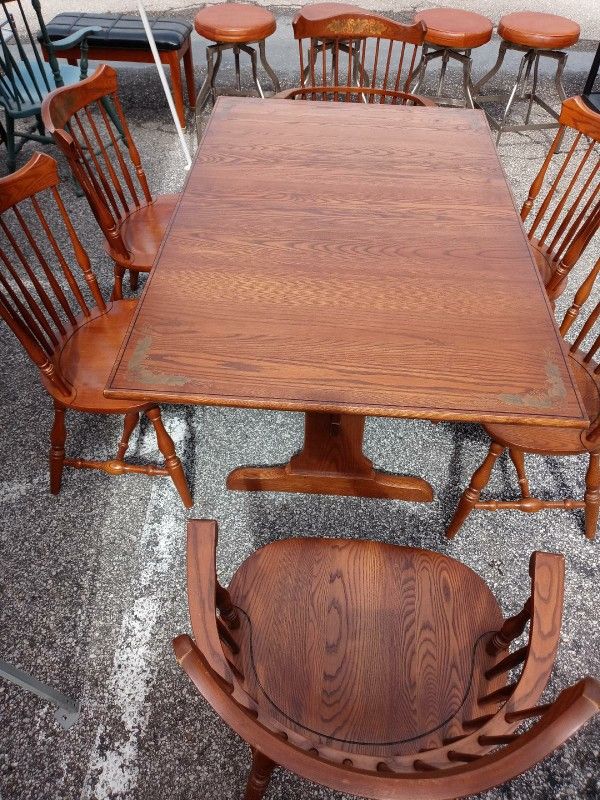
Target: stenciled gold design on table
[[537, 398], [357, 27], [147, 374]]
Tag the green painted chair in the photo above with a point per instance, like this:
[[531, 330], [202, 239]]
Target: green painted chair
[[25, 78]]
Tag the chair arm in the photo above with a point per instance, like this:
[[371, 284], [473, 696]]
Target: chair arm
[[73, 39], [202, 591], [571, 710]]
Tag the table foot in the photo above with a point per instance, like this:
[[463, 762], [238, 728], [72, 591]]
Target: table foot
[[331, 462]]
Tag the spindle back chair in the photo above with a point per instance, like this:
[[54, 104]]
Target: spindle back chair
[[562, 209], [583, 343], [330, 694], [89, 127], [356, 56], [50, 299], [25, 78]]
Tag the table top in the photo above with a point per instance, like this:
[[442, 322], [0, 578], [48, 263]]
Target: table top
[[350, 259]]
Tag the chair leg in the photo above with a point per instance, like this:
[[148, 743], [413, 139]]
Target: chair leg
[[172, 462], [592, 495], [117, 292], [131, 420], [58, 436], [471, 494], [518, 459], [260, 774], [134, 279], [188, 68], [175, 70]]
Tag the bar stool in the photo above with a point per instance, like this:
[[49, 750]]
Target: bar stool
[[452, 34], [234, 26], [535, 35]]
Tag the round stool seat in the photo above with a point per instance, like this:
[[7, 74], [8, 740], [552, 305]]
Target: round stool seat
[[539, 31], [452, 27], [236, 23]]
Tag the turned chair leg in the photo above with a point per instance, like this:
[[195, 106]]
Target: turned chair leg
[[172, 462], [592, 495], [134, 277], [471, 494], [58, 435], [117, 292], [518, 459], [260, 774], [131, 420]]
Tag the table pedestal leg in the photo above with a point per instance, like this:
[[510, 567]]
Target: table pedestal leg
[[331, 462]]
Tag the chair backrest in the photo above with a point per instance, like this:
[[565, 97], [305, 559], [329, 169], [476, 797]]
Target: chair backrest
[[47, 287], [24, 79], [564, 199], [88, 125], [492, 746], [356, 56]]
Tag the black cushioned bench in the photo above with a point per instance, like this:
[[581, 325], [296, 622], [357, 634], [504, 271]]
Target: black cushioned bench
[[123, 38]]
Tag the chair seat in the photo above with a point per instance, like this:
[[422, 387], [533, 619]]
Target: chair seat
[[142, 232], [370, 648], [452, 27], [121, 30], [86, 366], [234, 22], [557, 441], [537, 30], [69, 74]]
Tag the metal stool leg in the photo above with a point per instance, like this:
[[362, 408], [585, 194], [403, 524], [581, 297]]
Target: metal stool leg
[[208, 81], [219, 48], [252, 53], [267, 67], [445, 59], [467, 83], [420, 70], [512, 95], [238, 77], [68, 710], [494, 69], [558, 77], [533, 92]]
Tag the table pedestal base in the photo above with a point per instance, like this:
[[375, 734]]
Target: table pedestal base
[[331, 462]]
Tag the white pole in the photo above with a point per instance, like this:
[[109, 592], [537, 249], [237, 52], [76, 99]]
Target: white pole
[[165, 85]]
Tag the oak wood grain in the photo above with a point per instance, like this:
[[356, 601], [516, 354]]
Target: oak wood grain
[[331, 257]]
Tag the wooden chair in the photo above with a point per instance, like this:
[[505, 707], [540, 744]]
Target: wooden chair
[[89, 127], [521, 439], [353, 55], [25, 78], [563, 205], [50, 300], [378, 670]]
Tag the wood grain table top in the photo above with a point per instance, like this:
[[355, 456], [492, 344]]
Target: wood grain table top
[[349, 259]]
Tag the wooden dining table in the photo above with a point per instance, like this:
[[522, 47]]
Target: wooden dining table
[[347, 260]]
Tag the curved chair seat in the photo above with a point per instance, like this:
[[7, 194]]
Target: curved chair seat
[[142, 232], [86, 367], [557, 441], [391, 631], [539, 31], [453, 27], [237, 23], [378, 670]]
